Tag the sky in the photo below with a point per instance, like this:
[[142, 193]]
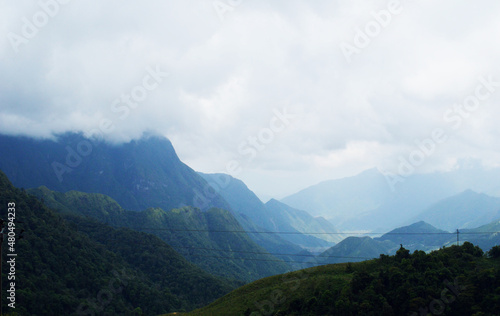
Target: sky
[[281, 94]]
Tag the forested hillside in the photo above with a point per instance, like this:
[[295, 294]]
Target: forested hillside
[[67, 265], [459, 280], [214, 240]]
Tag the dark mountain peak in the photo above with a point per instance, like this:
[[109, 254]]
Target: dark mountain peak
[[138, 174]]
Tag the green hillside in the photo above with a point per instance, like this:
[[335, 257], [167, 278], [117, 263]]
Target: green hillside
[[69, 265], [459, 280], [213, 239]]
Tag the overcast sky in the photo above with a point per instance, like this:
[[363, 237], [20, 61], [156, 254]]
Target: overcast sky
[[283, 94]]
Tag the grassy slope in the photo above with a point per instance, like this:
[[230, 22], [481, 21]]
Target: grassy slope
[[267, 293], [396, 285]]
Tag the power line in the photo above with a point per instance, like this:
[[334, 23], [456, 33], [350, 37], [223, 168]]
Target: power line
[[273, 254], [254, 259], [276, 232], [240, 251], [303, 233]]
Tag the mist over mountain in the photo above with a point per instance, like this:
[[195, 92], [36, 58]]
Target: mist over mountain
[[139, 174], [272, 216], [343, 198], [366, 201], [304, 222], [464, 210]]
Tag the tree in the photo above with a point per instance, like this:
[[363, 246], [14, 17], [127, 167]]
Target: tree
[[403, 253], [494, 252]]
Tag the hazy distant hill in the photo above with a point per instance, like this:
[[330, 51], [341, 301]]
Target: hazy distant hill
[[343, 198], [485, 236], [304, 222], [353, 249], [272, 216], [421, 236], [65, 265], [139, 174], [465, 210], [417, 236], [213, 239], [366, 201]]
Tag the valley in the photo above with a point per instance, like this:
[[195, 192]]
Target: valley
[[134, 208]]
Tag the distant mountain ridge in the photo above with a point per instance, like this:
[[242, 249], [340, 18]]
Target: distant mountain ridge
[[367, 202], [334, 199], [140, 174], [467, 209], [417, 236], [273, 216], [420, 235], [304, 222]]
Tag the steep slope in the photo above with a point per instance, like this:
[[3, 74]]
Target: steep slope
[[304, 222], [79, 266], [245, 203], [214, 240], [453, 281], [465, 210], [138, 174]]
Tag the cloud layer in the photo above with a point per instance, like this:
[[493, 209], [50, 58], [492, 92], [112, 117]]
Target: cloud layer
[[84, 66]]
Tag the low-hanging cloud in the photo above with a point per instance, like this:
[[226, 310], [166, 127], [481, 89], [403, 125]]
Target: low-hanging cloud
[[227, 76]]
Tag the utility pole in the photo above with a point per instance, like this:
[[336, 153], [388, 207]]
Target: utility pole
[[458, 242]]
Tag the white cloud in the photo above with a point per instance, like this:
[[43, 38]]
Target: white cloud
[[225, 79]]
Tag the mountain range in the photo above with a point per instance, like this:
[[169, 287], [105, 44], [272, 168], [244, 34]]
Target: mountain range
[[141, 174], [367, 201], [135, 207], [467, 209], [273, 216]]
